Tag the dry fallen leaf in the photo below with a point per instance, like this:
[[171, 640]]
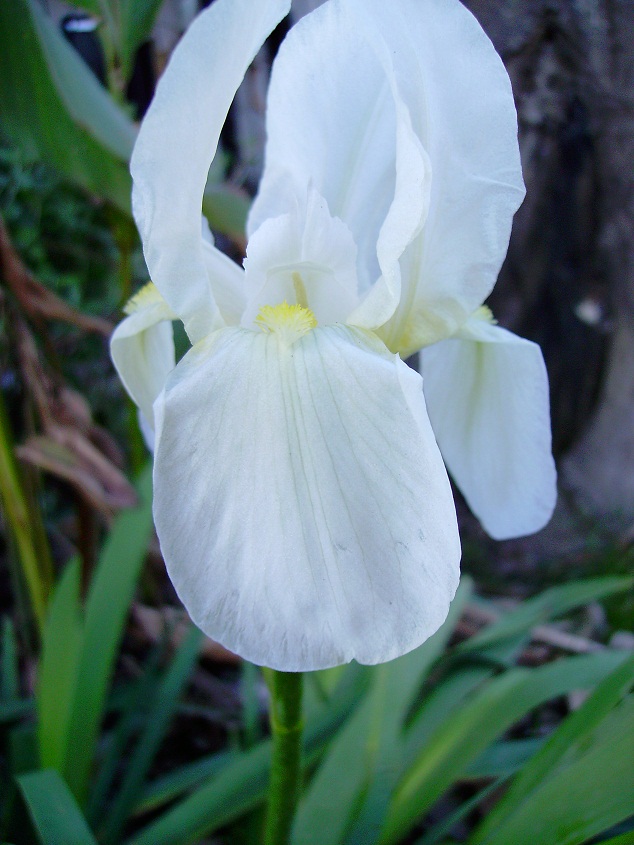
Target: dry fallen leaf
[[70, 446]]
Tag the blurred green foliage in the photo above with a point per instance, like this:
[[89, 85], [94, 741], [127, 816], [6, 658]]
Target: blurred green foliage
[[66, 239], [599, 556], [63, 236], [384, 746]]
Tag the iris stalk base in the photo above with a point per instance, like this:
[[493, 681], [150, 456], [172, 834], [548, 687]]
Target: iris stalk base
[[286, 729]]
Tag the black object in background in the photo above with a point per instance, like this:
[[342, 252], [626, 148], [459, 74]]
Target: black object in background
[[81, 32]]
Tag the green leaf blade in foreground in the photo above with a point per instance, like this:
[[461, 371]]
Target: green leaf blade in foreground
[[622, 839], [107, 607], [156, 724], [544, 607], [9, 671], [477, 723], [562, 763], [54, 813], [138, 18], [378, 754], [174, 784], [57, 676], [585, 798], [114, 744], [77, 129], [336, 788], [355, 779], [22, 521]]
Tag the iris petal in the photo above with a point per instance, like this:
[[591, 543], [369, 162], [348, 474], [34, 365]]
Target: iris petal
[[413, 145], [176, 144], [335, 120], [142, 349], [462, 110], [487, 394], [322, 527], [305, 254]]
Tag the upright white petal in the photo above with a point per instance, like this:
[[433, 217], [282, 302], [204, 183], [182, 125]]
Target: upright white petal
[[226, 279], [461, 104], [334, 120], [305, 254], [176, 144], [142, 348], [319, 529], [487, 395], [365, 93], [405, 218]]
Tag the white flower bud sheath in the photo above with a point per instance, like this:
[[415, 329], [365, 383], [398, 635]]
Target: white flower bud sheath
[[300, 497]]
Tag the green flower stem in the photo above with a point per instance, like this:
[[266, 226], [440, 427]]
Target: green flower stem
[[286, 729]]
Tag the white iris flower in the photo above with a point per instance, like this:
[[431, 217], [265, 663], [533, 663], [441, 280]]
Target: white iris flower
[[300, 497]]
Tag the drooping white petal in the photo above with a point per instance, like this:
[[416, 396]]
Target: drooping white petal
[[147, 431], [333, 120], [487, 395], [142, 348], [300, 499], [305, 254], [176, 144]]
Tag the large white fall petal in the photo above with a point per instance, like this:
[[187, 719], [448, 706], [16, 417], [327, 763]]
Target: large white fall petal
[[303, 508]]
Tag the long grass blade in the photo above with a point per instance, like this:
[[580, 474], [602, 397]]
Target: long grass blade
[[167, 788], [55, 816], [22, 518], [132, 708], [442, 828], [107, 607], [241, 784], [471, 729], [583, 797], [9, 675], [563, 743], [61, 647], [402, 683], [156, 724], [548, 605]]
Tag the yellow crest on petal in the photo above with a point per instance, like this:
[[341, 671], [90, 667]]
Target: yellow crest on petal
[[143, 298], [485, 314], [290, 322]]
